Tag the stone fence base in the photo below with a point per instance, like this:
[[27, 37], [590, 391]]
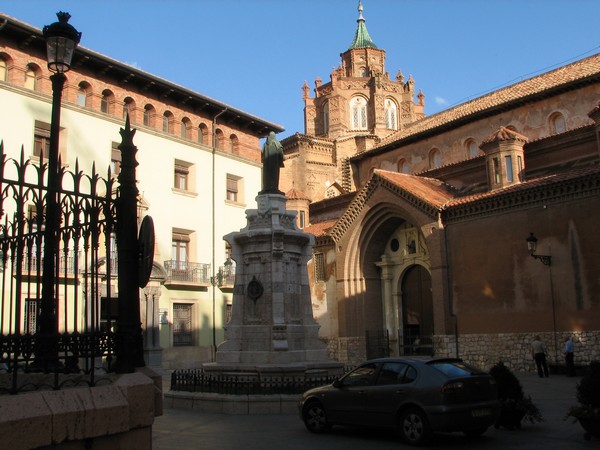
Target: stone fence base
[[233, 404], [112, 416]]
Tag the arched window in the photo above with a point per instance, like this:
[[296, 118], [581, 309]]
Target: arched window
[[435, 158], [31, 77], [149, 114], [326, 118], [82, 93], [358, 113], [129, 108], [557, 123], [106, 104], [363, 71], [220, 139], [234, 144], [403, 166], [186, 128], [203, 137], [472, 148], [2, 69], [391, 115], [167, 122]]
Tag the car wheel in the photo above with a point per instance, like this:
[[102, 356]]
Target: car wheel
[[315, 418], [414, 427], [476, 432]]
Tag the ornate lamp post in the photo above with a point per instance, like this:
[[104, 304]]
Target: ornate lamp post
[[547, 261], [61, 40], [532, 247]]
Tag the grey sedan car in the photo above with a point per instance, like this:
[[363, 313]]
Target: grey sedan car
[[417, 396]]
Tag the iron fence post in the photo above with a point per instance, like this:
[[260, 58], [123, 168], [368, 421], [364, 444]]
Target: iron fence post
[[129, 338]]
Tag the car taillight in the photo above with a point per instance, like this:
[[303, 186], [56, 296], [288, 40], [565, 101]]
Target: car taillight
[[451, 388]]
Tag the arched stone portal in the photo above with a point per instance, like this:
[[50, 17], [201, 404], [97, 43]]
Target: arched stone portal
[[406, 296]]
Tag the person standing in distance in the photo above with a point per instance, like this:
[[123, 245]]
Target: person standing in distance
[[538, 351]]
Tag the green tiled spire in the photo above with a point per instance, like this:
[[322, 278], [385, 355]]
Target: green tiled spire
[[361, 38]]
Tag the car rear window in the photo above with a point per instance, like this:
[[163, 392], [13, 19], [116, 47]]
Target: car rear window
[[454, 369]]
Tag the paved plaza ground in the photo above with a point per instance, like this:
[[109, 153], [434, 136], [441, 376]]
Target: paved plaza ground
[[188, 429]]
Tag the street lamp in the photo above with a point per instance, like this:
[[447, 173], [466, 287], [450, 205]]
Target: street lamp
[[532, 247], [61, 40], [547, 261]]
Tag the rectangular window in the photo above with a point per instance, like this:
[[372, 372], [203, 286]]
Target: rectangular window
[[31, 314], [41, 139], [509, 168], [496, 169], [180, 250], [115, 159], [232, 188], [181, 177], [520, 168], [182, 324], [319, 267], [301, 220]]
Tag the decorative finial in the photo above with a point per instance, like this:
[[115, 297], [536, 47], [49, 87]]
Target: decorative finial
[[63, 17], [360, 10], [127, 133]]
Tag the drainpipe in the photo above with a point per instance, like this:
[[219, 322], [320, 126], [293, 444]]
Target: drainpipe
[[213, 278]]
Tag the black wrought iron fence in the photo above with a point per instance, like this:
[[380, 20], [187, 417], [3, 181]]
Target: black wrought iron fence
[[416, 341], [74, 329], [197, 380]]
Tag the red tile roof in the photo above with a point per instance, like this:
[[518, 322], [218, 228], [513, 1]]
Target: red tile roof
[[571, 74], [435, 192], [320, 228]]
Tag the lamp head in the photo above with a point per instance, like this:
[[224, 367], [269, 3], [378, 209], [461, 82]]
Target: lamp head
[[61, 40], [531, 243]]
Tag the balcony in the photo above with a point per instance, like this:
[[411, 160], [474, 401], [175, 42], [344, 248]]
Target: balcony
[[226, 277], [187, 275]]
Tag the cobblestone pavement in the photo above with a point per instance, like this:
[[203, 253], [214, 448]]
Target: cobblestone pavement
[[187, 429]]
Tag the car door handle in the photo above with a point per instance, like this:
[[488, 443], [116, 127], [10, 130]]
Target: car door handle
[[400, 391]]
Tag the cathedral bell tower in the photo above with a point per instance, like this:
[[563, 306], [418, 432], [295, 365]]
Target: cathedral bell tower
[[360, 99]]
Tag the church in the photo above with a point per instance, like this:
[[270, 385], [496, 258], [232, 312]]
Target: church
[[465, 233]]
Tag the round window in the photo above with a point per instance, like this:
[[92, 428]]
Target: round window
[[394, 245]]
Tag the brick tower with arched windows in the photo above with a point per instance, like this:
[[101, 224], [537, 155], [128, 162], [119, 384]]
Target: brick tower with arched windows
[[353, 112]]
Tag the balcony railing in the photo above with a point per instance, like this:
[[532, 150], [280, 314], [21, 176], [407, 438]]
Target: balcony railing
[[226, 276], [187, 272], [34, 263]]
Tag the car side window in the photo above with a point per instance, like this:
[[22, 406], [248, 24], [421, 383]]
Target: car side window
[[396, 373], [361, 376]]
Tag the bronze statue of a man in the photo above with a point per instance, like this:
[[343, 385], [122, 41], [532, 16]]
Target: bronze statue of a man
[[272, 159]]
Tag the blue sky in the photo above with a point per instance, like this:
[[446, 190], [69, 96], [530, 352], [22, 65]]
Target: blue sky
[[256, 54]]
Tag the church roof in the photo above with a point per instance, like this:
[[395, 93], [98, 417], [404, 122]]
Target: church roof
[[295, 194], [562, 79], [361, 38]]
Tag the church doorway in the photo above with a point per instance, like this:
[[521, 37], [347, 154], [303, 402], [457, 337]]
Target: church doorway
[[416, 333]]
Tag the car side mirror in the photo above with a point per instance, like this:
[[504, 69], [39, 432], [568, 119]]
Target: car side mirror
[[337, 383]]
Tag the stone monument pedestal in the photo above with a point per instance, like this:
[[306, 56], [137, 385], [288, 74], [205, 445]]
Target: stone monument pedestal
[[272, 331]]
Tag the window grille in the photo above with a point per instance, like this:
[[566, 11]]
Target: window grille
[[319, 267], [182, 324]]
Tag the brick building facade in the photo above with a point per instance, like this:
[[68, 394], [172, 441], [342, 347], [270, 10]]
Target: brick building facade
[[424, 249]]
